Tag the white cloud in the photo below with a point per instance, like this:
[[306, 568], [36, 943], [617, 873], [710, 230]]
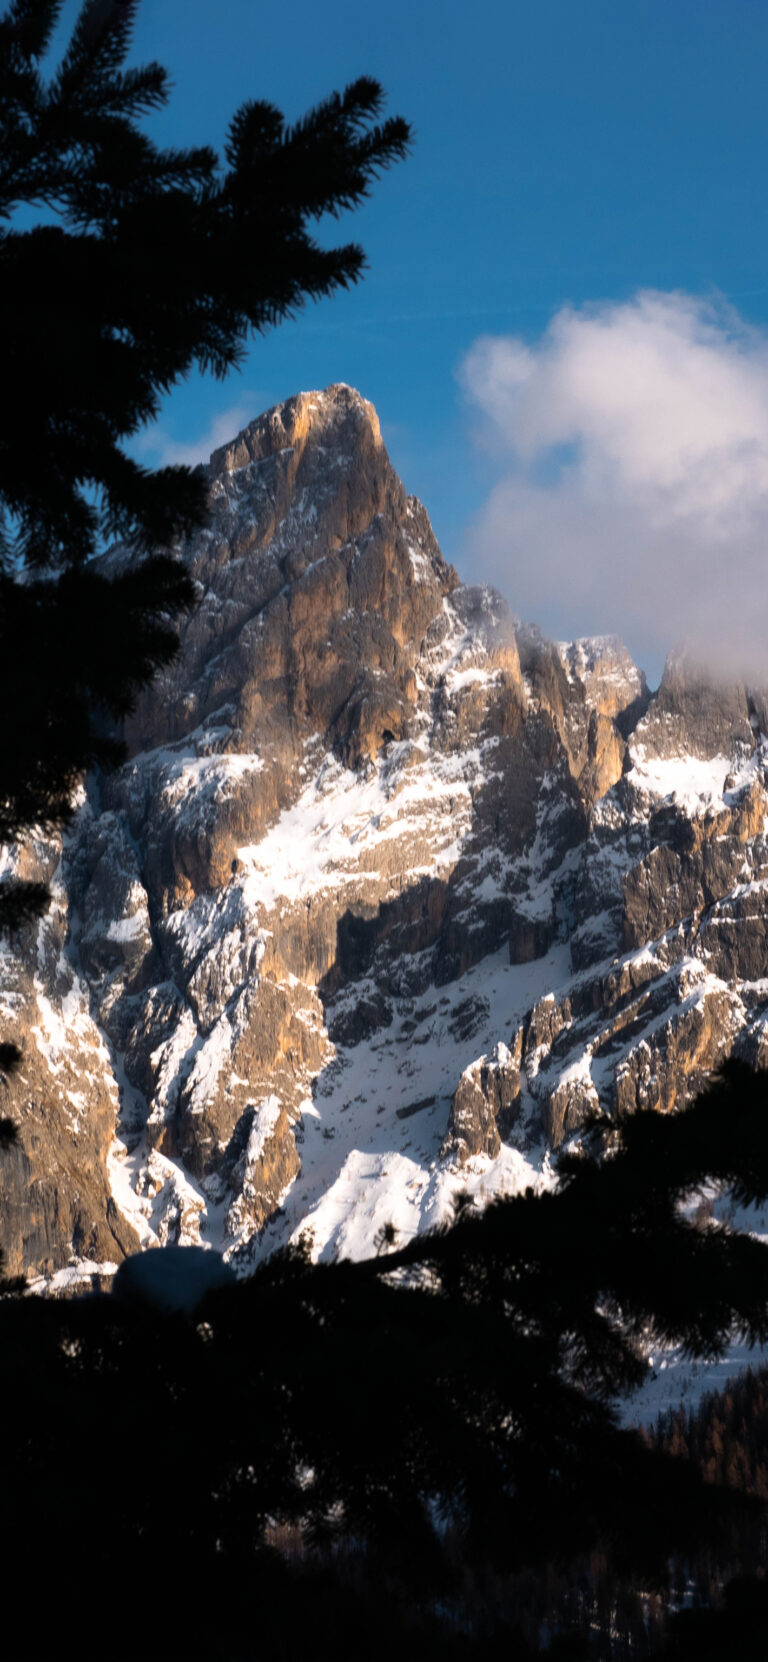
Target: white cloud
[[162, 451], [634, 492]]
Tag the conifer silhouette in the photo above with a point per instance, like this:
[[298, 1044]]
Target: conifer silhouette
[[138, 264], [157, 261], [442, 1408]]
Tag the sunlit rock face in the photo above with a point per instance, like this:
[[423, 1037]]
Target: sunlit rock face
[[391, 894]]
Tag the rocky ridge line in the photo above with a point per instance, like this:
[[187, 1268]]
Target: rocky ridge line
[[391, 892]]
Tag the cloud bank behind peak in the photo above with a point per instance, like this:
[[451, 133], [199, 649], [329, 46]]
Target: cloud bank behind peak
[[632, 446]]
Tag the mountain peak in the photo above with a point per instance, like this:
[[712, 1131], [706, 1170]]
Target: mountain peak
[[391, 893], [337, 417]]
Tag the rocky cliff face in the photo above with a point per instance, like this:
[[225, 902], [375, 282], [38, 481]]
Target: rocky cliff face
[[391, 893]]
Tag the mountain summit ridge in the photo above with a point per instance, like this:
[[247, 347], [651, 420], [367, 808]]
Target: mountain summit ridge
[[390, 894]]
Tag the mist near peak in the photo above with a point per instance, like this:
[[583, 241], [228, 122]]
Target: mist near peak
[[631, 441]]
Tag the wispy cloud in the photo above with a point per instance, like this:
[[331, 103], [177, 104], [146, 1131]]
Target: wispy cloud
[[632, 441], [157, 447]]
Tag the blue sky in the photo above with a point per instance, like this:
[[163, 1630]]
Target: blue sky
[[569, 153]]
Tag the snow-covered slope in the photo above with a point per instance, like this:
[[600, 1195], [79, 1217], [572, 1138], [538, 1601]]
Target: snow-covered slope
[[390, 894]]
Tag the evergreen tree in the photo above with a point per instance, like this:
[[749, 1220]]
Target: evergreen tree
[[159, 260], [351, 1441], [144, 263]]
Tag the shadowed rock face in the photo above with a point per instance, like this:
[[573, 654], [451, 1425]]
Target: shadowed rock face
[[391, 893], [56, 1194]]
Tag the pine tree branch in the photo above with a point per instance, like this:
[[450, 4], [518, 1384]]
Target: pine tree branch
[[162, 264]]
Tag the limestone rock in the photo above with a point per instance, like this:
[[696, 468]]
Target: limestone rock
[[390, 895], [484, 1106], [56, 1193]]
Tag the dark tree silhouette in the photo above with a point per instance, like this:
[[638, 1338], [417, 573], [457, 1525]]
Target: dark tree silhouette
[[143, 263], [159, 260], [396, 1423]]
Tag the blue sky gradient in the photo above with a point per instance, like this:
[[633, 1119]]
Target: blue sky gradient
[[567, 151]]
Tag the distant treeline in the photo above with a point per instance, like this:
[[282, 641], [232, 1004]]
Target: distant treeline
[[714, 1603], [726, 1436]]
